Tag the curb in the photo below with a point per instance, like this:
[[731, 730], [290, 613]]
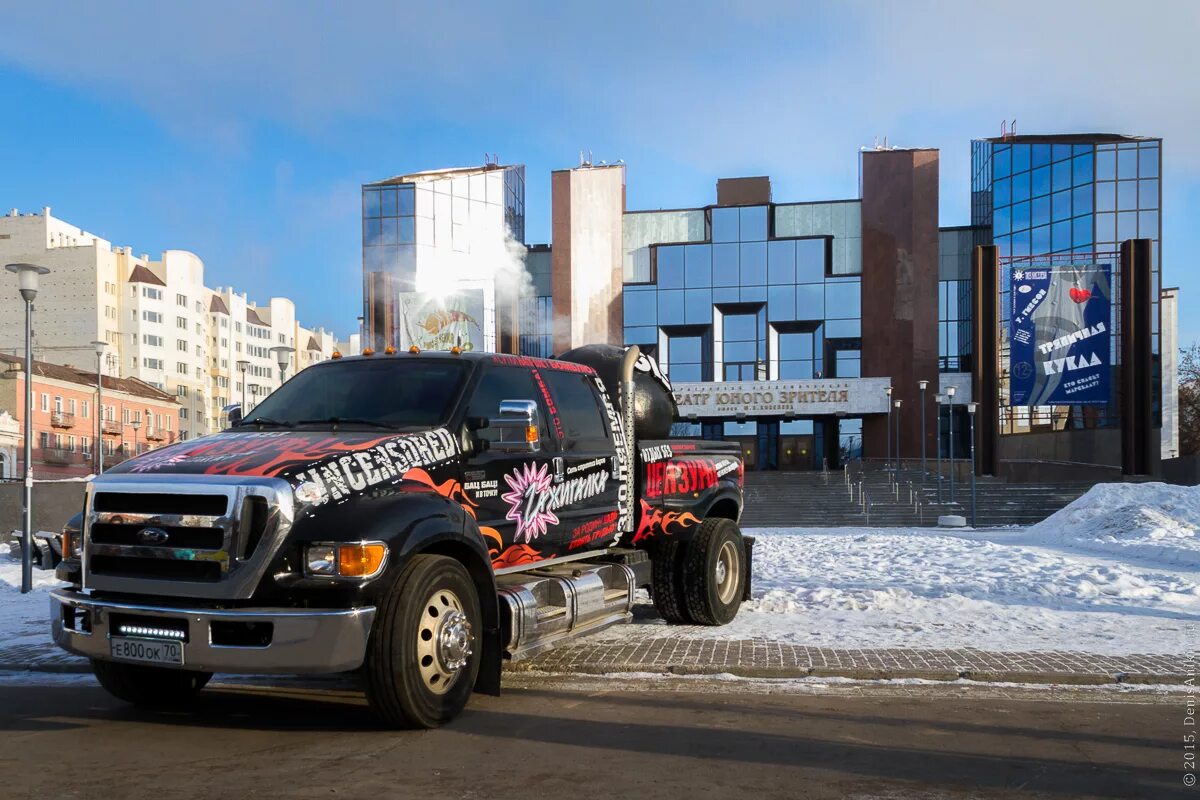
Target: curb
[[946, 676]]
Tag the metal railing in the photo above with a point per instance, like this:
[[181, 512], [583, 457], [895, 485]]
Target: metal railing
[[60, 419], [56, 455]]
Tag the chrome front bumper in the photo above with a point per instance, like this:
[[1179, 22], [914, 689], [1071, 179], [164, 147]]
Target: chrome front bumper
[[302, 640]]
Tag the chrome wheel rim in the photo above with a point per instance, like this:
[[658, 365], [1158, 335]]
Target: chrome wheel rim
[[727, 571], [444, 641]]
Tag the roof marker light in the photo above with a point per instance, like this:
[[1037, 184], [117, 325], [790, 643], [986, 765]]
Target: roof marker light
[[414, 349], [389, 350], [337, 354], [368, 352]]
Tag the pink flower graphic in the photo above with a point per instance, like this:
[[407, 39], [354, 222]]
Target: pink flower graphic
[[528, 501]]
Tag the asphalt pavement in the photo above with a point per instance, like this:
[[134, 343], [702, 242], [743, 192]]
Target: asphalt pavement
[[567, 736]]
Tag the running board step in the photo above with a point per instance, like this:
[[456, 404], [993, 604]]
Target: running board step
[[542, 607]]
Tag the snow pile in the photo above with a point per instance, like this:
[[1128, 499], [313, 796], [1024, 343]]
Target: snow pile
[[24, 618], [864, 588], [1145, 522]]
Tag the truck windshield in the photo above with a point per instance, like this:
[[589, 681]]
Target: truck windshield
[[390, 393]]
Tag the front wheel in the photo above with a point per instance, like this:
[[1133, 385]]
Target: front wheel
[[714, 572], [152, 687], [424, 652]]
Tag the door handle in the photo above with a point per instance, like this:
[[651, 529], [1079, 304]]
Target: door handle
[[558, 469]]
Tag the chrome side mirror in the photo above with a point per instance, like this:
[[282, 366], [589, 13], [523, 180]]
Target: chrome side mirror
[[518, 427]]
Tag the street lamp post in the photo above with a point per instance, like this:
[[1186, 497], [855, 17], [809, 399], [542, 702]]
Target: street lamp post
[[899, 458], [242, 367], [950, 394], [922, 385], [99, 345], [937, 402], [971, 414], [887, 464], [137, 423], [281, 358], [27, 282]]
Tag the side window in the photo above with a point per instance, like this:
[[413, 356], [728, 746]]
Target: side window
[[584, 424], [505, 383]]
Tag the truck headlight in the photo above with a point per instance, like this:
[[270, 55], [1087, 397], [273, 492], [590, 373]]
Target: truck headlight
[[359, 560], [72, 544]]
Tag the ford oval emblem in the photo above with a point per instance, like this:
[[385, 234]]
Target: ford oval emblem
[[153, 536]]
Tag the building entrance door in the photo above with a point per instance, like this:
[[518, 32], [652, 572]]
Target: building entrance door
[[749, 448], [797, 452]]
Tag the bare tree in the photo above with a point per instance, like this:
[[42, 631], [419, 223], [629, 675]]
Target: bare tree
[[1189, 400]]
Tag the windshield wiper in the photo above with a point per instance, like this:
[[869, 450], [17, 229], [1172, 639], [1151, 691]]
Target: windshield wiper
[[266, 421], [335, 421]]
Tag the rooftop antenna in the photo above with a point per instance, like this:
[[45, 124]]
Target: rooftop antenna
[[1013, 129]]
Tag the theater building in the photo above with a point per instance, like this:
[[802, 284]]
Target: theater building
[[813, 332]]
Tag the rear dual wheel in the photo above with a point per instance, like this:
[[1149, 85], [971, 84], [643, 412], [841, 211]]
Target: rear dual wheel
[[701, 581]]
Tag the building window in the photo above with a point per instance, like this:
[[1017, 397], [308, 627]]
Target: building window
[[152, 293], [744, 351], [686, 358], [46, 402], [954, 326], [152, 316], [181, 300]]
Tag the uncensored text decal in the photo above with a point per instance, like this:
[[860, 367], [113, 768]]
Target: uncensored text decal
[[342, 476]]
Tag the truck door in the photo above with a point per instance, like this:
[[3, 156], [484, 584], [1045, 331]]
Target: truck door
[[586, 483], [511, 490]]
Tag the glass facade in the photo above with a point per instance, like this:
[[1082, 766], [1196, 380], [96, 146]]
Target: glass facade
[[1050, 201], [744, 299], [415, 227]]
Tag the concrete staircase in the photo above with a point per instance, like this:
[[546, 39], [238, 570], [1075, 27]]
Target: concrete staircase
[[873, 499]]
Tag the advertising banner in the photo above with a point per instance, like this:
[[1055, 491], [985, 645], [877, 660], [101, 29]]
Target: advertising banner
[[439, 323], [1059, 342]]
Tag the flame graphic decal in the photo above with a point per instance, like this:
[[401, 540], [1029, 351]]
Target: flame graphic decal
[[656, 521], [516, 555], [450, 488]]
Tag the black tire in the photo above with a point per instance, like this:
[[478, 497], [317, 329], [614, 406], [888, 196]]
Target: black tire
[[714, 572], [150, 687], [405, 669], [666, 582]]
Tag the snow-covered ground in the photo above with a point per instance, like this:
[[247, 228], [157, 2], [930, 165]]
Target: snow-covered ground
[[1117, 572], [24, 618]]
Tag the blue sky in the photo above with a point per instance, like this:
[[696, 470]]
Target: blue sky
[[242, 131]]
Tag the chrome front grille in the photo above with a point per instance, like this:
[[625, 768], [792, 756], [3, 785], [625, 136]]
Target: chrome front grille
[[208, 536]]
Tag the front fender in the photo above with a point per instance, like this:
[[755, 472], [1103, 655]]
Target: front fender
[[412, 521]]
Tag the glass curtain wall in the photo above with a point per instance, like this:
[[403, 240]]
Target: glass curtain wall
[[744, 304], [1046, 202]]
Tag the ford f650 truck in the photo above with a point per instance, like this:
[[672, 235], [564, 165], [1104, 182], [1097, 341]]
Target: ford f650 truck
[[417, 516]]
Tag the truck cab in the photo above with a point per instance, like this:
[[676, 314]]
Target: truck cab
[[418, 517]]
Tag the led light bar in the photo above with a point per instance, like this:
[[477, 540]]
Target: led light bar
[[150, 632]]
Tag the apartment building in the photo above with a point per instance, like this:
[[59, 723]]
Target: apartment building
[[133, 417], [162, 325]]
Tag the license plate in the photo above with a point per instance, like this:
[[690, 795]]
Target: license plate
[[153, 651]]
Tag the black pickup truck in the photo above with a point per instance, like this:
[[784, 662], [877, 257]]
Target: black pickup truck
[[418, 516]]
